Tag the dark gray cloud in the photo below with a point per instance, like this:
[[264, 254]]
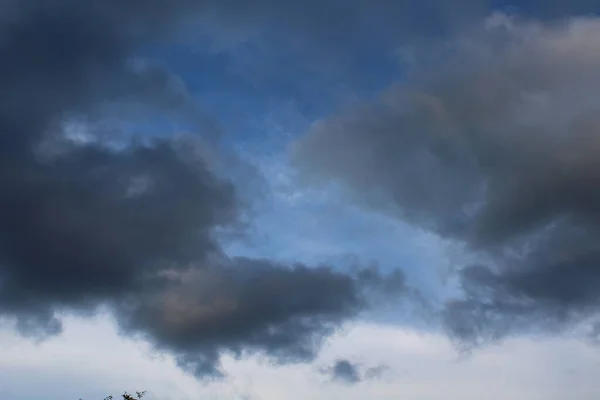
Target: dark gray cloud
[[82, 221], [344, 370], [89, 217], [248, 305], [348, 372], [491, 141]]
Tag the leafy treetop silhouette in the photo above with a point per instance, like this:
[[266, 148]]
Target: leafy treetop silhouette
[[127, 396]]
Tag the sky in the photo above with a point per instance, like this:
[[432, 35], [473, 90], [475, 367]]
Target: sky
[[266, 199]]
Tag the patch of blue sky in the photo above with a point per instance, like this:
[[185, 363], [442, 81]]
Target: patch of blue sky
[[320, 228], [312, 226], [239, 84]]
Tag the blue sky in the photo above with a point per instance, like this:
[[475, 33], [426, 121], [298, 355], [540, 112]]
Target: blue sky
[[263, 104], [406, 188]]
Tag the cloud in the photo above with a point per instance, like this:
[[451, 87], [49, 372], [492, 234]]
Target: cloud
[[348, 372], [91, 220], [241, 305], [345, 371], [81, 221], [376, 372], [491, 141]]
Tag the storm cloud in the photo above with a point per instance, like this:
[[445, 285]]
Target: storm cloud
[[90, 216], [82, 220], [491, 141]]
